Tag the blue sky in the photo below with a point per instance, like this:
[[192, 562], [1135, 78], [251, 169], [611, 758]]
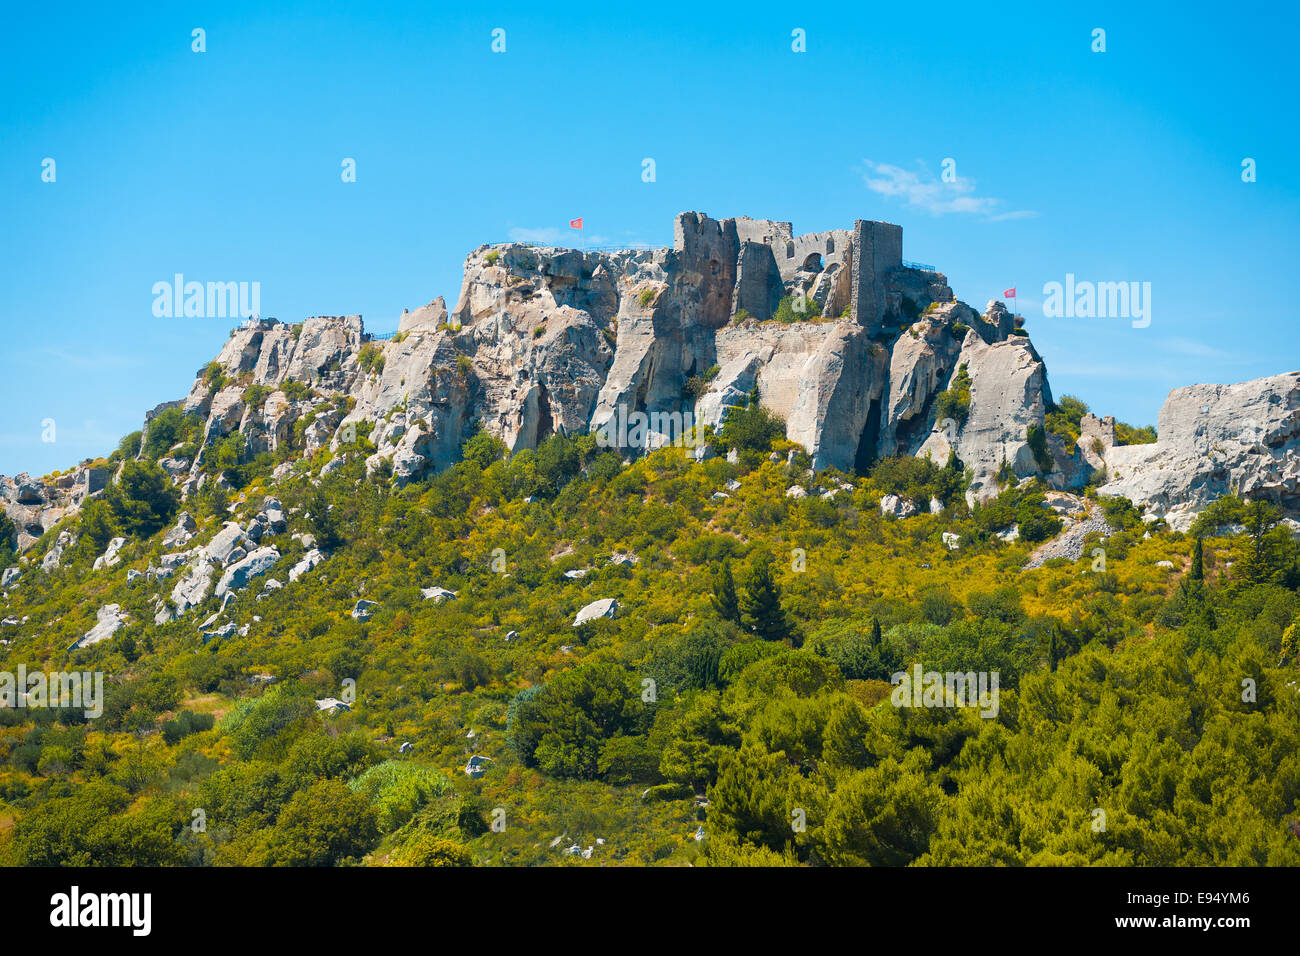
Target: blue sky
[[225, 166]]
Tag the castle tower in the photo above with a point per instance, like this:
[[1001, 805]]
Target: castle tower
[[877, 248]]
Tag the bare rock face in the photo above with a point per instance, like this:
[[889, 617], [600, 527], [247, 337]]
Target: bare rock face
[[237, 576], [35, 505], [308, 561], [1008, 394], [419, 403], [920, 365], [1215, 440], [547, 341], [109, 619], [191, 590], [226, 541], [429, 318], [736, 378], [835, 394], [1095, 436], [604, 608], [110, 558], [758, 281]]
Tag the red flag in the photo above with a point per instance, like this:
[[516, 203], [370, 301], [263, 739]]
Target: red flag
[[1009, 293], [575, 223]]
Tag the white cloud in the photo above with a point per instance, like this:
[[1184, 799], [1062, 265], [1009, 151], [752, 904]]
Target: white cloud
[[921, 189], [1191, 348]]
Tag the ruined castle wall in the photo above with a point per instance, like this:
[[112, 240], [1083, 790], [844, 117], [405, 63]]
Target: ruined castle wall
[[878, 248]]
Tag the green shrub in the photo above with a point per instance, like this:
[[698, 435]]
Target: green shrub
[[215, 376], [296, 391], [697, 385], [184, 724], [954, 402], [1126, 434], [752, 428], [143, 499], [397, 790], [1036, 438], [1064, 419], [371, 358], [787, 313], [169, 428]]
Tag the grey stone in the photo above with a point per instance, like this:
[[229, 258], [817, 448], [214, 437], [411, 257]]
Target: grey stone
[[896, 506], [181, 532], [238, 575], [109, 620], [1214, 440], [192, 589], [110, 556], [308, 561], [604, 608], [230, 537]]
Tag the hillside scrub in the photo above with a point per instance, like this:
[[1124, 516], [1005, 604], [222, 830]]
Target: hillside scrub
[[749, 664]]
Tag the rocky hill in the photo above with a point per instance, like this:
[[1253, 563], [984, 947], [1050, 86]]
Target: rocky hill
[[862, 354], [359, 599]]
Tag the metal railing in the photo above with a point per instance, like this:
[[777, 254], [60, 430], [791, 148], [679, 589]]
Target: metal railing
[[923, 266], [626, 247]]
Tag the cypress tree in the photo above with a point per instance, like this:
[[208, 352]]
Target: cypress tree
[[760, 601], [724, 600], [1197, 573]]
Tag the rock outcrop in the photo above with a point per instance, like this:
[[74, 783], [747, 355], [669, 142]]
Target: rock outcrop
[[545, 341], [1214, 439], [308, 561], [35, 505], [109, 619], [237, 576], [596, 610]]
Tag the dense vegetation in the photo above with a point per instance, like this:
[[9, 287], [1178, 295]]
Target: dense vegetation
[[1063, 420], [1148, 714]]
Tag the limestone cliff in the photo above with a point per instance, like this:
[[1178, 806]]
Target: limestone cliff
[[1213, 439], [836, 334]]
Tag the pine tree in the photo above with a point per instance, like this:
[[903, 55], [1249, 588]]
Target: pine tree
[[760, 601], [1197, 573], [875, 632], [724, 600]]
